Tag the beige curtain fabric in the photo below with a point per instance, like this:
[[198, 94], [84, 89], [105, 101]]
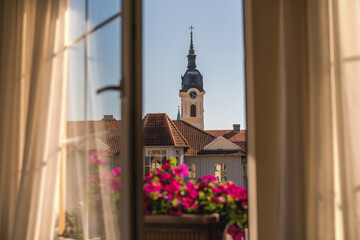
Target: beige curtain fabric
[[32, 88], [319, 160], [303, 82], [319, 125]]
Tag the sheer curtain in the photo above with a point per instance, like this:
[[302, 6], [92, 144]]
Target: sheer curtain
[[304, 133], [32, 88], [319, 160]]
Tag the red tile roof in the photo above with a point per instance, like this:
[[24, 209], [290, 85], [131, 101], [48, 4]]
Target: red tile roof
[[106, 131], [230, 134], [159, 130], [198, 139]]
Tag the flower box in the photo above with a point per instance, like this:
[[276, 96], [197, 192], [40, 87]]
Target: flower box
[[185, 227]]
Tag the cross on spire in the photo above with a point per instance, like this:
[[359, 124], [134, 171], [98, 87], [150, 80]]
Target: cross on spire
[[191, 28], [191, 51]]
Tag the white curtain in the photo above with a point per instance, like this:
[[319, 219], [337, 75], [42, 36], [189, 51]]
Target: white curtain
[[303, 82], [32, 87], [319, 120]]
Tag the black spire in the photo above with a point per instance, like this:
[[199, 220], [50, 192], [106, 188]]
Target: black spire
[[191, 56]]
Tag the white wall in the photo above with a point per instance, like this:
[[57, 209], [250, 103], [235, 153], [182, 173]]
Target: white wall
[[205, 165]]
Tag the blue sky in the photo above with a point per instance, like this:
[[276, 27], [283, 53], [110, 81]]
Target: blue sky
[[218, 42]]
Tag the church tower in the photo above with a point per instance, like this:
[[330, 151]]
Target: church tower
[[192, 92]]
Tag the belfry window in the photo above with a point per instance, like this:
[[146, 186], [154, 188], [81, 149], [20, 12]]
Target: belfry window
[[193, 110]]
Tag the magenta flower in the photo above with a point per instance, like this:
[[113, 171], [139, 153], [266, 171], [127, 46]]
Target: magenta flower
[[116, 171], [152, 187], [182, 170], [165, 177], [116, 186], [96, 157], [235, 232], [209, 178], [191, 191], [166, 193], [172, 187]]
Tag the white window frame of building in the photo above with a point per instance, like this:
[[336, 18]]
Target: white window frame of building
[[192, 171], [220, 172], [154, 158], [177, 156]]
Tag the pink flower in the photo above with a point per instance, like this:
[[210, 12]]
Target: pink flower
[[235, 232], [152, 187], [191, 191], [175, 211], [146, 204], [116, 185], [174, 186], [100, 162], [166, 167], [116, 171], [95, 157], [209, 178], [182, 170], [106, 175], [165, 177]]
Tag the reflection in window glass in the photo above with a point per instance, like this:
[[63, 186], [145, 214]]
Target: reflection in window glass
[[220, 172], [104, 70], [100, 10], [93, 174]]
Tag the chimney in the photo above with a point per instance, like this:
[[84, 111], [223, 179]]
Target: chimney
[[236, 127], [108, 118]]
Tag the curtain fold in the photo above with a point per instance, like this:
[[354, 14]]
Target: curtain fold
[[32, 92], [310, 117], [319, 131]]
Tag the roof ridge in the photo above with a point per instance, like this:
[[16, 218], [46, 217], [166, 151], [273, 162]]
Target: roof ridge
[[145, 120], [196, 128], [173, 124], [168, 127]]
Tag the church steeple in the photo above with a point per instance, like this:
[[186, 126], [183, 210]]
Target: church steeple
[[191, 91], [191, 56], [178, 114]]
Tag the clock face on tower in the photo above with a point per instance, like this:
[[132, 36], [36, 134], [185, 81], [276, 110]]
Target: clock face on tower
[[193, 94]]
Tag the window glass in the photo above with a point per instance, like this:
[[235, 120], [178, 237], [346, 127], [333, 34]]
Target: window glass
[[76, 19], [177, 156], [93, 173], [220, 172], [100, 10], [192, 171], [193, 110], [154, 159], [104, 70], [76, 82]]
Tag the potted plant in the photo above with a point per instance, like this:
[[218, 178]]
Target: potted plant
[[204, 209], [175, 209]]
